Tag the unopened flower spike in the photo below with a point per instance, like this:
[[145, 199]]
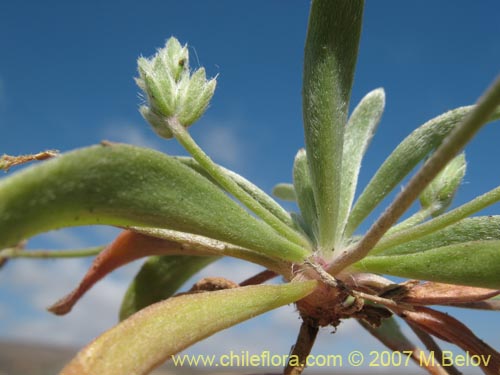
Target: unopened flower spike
[[176, 99], [171, 90]]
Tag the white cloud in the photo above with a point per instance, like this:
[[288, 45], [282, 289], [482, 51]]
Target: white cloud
[[41, 283], [229, 268], [135, 134], [64, 239], [220, 141], [38, 284], [222, 144]]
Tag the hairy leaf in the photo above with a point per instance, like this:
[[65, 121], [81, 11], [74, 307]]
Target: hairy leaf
[[126, 186], [442, 189], [259, 195], [439, 222], [154, 334], [475, 263], [329, 62], [159, 278], [358, 134], [192, 244], [305, 195], [403, 159], [466, 230], [285, 192]]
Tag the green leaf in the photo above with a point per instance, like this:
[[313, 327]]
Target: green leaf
[[285, 192], [192, 244], [475, 263], [403, 159], [451, 146], [329, 62], [358, 134], [128, 186], [154, 334], [439, 222], [482, 228], [254, 191], [232, 187], [305, 195], [158, 279], [416, 218], [440, 192]]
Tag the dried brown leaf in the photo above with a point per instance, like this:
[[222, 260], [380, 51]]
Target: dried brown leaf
[[450, 329], [127, 247], [8, 161], [431, 293]]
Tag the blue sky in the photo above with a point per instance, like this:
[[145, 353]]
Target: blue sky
[[66, 81]]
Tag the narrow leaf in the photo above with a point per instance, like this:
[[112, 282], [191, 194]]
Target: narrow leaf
[[259, 195], [441, 191], [493, 304], [193, 244], [159, 278], [125, 186], [474, 263], [434, 348], [259, 278], [403, 159], [305, 195], [231, 186], [285, 192], [431, 293], [127, 247], [444, 153], [389, 333], [471, 229], [450, 329], [131, 245], [358, 134], [439, 222], [329, 62], [411, 221], [154, 334]]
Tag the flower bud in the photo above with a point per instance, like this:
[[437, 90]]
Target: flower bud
[[171, 90]]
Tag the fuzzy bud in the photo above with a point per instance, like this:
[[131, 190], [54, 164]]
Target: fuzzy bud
[[171, 90]]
